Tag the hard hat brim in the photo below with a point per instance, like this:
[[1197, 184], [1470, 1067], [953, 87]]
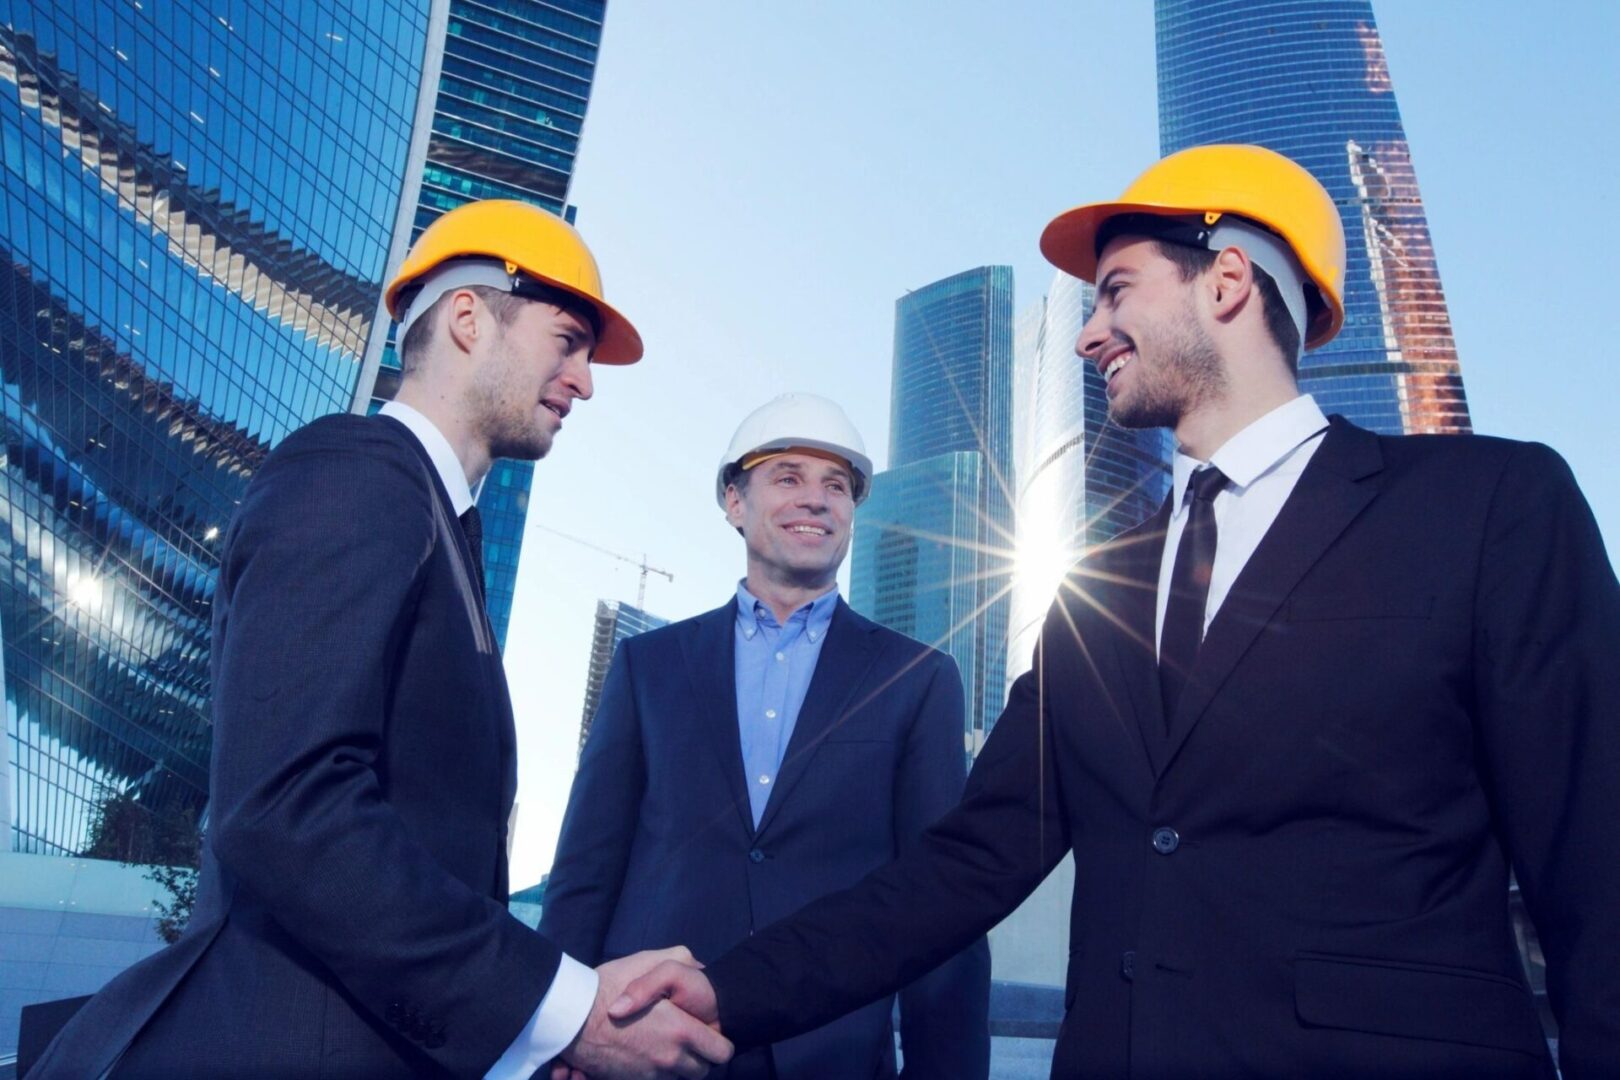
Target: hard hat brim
[[618, 343], [1069, 242]]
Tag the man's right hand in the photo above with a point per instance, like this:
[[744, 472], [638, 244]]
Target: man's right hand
[[682, 984], [644, 1043]]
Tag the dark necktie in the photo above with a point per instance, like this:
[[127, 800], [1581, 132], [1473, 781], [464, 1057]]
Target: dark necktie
[[473, 526], [1183, 631]]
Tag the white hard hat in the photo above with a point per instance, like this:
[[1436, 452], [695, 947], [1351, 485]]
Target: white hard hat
[[796, 422]]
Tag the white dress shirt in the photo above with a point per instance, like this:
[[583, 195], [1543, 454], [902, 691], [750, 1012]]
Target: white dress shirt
[[567, 1003], [1262, 464]]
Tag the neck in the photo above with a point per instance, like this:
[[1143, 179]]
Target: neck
[[1248, 396], [785, 597], [440, 404]]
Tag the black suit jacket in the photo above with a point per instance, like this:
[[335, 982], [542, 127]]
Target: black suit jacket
[[1411, 687], [659, 847], [351, 916]]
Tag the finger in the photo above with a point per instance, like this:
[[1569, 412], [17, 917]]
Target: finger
[[698, 1037], [654, 986]]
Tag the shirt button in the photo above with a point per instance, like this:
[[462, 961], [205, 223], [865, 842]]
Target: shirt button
[[764, 779], [781, 656], [770, 714], [1165, 840], [812, 635]]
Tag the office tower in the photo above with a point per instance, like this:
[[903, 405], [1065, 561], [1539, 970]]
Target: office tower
[[1081, 480], [514, 80], [933, 545], [197, 208], [615, 621], [1309, 80]]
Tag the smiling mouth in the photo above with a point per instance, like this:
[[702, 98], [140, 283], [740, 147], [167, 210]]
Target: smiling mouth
[[1118, 364], [560, 410], [808, 530]]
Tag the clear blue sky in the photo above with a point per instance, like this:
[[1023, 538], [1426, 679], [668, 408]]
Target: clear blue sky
[[761, 181]]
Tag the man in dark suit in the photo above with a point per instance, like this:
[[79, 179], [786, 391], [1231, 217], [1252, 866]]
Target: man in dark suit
[[1296, 728], [351, 916], [748, 760]]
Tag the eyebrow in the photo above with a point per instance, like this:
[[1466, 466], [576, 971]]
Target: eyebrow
[[777, 468]]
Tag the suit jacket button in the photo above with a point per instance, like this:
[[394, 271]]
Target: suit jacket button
[[756, 856], [1127, 964], [1165, 840]]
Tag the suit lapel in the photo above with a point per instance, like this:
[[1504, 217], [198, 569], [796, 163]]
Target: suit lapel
[[846, 656], [449, 525], [1332, 491], [710, 651], [1134, 595]]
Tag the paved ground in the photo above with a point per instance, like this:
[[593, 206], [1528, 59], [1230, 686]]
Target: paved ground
[[1018, 1059]]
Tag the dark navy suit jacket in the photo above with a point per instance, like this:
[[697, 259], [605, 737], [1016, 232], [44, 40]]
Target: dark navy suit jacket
[[659, 848], [1412, 687], [351, 917]]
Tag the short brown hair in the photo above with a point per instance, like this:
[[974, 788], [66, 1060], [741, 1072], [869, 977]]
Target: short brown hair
[[503, 305], [1191, 261]]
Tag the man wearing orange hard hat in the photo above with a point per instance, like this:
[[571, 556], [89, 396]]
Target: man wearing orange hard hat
[[1299, 728], [351, 913]]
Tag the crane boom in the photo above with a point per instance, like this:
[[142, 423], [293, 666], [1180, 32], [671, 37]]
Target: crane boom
[[641, 563]]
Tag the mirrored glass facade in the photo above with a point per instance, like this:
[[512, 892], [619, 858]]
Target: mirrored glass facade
[[916, 565], [1081, 479], [1310, 80], [197, 207], [950, 436], [514, 83]]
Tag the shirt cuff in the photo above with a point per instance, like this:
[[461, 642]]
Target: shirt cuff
[[560, 1017]]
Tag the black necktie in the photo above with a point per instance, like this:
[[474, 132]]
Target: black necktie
[[1183, 629], [473, 526]]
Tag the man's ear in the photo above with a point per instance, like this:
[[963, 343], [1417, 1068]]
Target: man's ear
[[466, 319], [734, 507], [1230, 281]]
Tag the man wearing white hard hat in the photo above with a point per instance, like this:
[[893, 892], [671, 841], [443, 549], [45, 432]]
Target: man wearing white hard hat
[[751, 759]]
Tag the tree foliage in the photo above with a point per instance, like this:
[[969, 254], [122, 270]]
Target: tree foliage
[[164, 839]]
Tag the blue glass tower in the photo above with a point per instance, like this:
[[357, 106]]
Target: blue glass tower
[[942, 573], [1310, 80], [197, 208], [515, 79], [1081, 479]]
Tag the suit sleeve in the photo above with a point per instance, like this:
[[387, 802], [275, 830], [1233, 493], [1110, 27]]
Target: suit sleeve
[[320, 577], [1548, 691], [945, 1015], [965, 874], [599, 825]]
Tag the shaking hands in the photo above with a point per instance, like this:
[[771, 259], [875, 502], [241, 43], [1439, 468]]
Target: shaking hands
[[655, 1017]]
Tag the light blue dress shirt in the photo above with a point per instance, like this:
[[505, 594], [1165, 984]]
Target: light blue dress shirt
[[774, 664]]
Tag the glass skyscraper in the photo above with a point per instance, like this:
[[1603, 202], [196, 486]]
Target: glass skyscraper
[[615, 621], [515, 78], [198, 202], [1309, 80], [942, 573], [1081, 480]]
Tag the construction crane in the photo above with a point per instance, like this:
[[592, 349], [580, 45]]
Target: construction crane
[[641, 563]]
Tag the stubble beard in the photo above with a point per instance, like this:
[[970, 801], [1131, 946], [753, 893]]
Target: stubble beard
[[496, 400], [1189, 375]]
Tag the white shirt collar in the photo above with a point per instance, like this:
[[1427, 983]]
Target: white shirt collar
[[439, 452], [1258, 448]]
